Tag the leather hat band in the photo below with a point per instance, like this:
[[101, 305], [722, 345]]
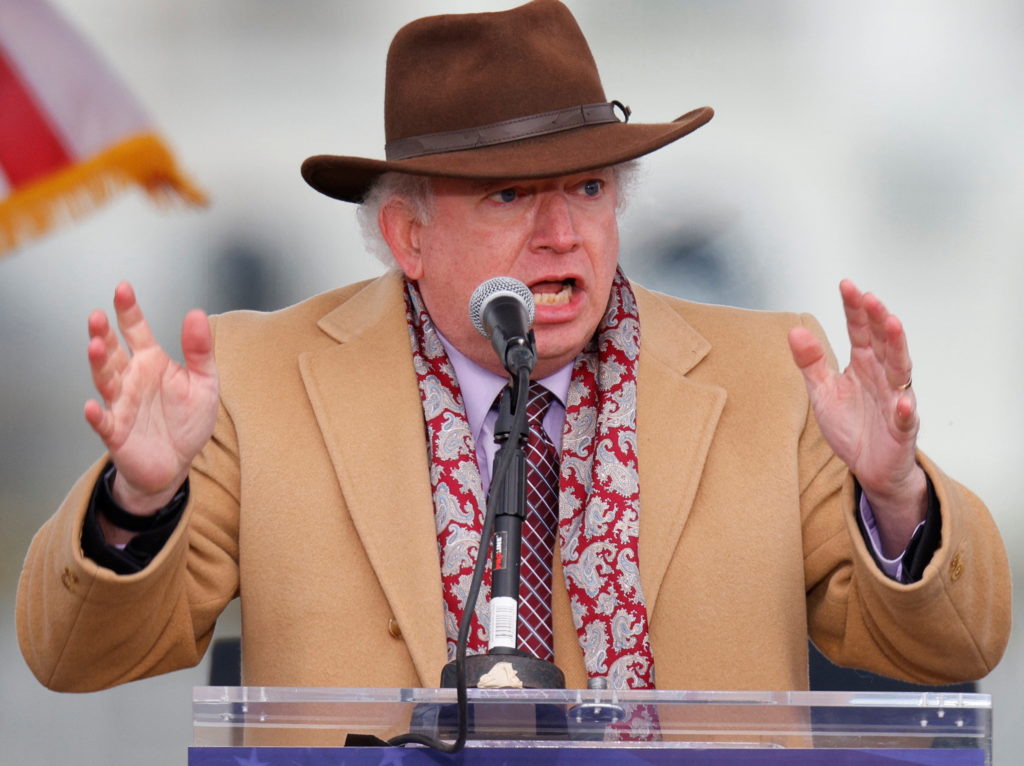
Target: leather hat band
[[503, 132]]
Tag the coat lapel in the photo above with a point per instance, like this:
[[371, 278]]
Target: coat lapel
[[367, 404], [676, 422]]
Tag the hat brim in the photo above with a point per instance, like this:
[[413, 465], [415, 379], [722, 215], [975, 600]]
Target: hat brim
[[573, 151]]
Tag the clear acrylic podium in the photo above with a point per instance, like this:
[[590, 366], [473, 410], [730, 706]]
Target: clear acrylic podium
[[309, 726]]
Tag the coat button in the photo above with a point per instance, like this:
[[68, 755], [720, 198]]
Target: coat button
[[394, 629], [69, 579], [956, 566]]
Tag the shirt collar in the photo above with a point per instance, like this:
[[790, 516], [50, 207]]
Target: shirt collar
[[481, 386]]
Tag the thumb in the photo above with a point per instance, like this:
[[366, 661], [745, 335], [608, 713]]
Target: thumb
[[197, 343], [809, 355]]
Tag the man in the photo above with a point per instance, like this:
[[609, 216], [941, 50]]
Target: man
[[715, 505]]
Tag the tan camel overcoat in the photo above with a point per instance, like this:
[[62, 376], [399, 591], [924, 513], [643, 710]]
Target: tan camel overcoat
[[312, 504]]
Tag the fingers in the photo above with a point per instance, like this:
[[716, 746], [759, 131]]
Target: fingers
[[897, 355], [130, 320], [870, 326], [856, 316], [107, 362], [865, 315], [107, 359], [875, 331], [898, 375], [865, 318]]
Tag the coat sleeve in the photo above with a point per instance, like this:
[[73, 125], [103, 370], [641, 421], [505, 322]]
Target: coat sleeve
[[81, 627], [952, 625]]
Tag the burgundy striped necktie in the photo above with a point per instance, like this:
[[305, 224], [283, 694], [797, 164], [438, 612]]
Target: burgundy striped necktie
[[536, 634]]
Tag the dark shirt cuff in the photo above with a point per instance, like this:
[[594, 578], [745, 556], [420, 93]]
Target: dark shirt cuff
[[153, 531], [922, 545]]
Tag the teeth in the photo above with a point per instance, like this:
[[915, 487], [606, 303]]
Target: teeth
[[554, 299]]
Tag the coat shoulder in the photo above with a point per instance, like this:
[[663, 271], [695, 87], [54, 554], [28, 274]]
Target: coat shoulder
[[717, 320], [302, 314], [738, 337], [316, 322]]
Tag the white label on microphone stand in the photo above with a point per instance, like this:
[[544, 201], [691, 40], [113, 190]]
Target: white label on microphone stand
[[503, 622]]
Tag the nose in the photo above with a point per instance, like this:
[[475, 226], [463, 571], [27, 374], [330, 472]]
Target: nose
[[553, 226]]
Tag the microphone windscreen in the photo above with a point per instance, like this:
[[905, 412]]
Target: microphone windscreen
[[494, 288]]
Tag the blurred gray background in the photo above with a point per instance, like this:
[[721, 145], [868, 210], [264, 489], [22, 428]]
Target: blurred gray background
[[878, 140]]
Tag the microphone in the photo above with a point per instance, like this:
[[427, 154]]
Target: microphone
[[502, 310]]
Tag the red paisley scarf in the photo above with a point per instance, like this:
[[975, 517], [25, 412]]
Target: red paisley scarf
[[599, 497]]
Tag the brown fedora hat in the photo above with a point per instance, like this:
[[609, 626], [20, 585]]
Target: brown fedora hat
[[512, 94]]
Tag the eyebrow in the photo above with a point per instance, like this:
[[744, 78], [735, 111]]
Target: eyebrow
[[483, 184], [495, 183]]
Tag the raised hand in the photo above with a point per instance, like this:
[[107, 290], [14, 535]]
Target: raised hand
[[868, 412], [156, 414]]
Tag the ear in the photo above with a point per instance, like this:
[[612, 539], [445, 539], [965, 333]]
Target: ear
[[401, 230]]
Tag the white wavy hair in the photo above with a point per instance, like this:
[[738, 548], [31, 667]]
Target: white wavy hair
[[418, 193]]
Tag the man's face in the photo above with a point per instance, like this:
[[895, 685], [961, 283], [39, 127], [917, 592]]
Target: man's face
[[558, 236]]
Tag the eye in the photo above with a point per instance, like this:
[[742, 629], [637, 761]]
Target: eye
[[592, 188], [505, 195]]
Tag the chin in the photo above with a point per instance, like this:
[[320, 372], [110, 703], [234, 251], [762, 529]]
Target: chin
[[553, 353]]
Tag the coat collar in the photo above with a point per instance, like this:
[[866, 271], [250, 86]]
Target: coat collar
[[366, 399]]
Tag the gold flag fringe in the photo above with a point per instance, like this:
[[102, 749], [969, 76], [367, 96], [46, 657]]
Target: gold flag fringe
[[72, 192]]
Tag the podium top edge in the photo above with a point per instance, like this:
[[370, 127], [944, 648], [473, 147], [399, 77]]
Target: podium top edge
[[218, 695]]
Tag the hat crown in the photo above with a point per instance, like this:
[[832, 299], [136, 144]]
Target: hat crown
[[461, 71]]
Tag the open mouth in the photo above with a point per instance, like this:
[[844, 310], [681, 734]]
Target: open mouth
[[553, 293]]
